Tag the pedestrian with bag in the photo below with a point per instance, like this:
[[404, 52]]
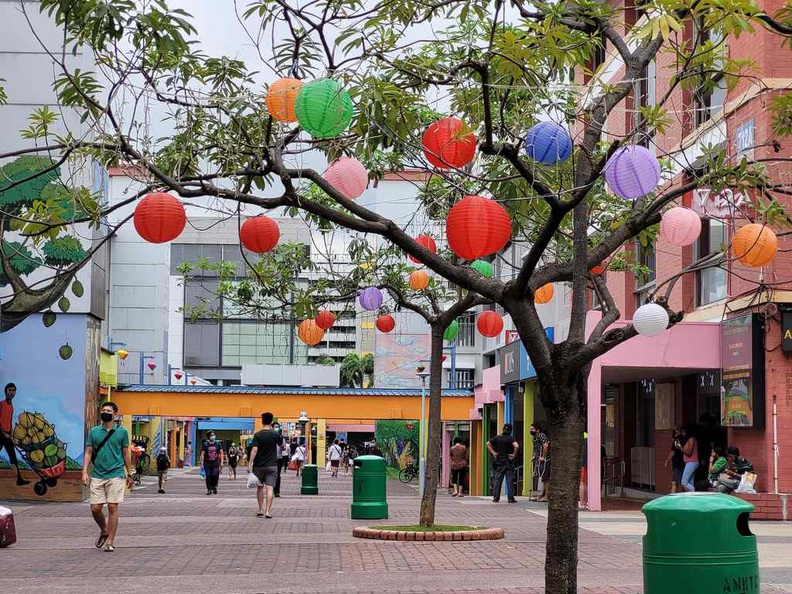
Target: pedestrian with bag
[[300, 454], [163, 464]]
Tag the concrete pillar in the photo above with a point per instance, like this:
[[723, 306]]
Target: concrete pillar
[[594, 436], [321, 441], [445, 455], [528, 415]]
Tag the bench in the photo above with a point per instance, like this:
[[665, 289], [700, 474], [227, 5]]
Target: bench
[[769, 506]]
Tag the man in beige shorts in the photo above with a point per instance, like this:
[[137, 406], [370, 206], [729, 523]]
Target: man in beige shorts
[[107, 452]]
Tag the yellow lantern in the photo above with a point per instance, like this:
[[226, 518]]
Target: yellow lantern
[[122, 354]]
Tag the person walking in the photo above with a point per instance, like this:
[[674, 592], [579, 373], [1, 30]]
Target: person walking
[[459, 466], [300, 454], [211, 461], [541, 458], [279, 455], [335, 454], [163, 463], [690, 456], [504, 449], [6, 431], [107, 470], [264, 464], [344, 457], [233, 461], [676, 458]]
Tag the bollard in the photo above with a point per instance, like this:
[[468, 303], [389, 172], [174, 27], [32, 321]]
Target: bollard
[[369, 500]]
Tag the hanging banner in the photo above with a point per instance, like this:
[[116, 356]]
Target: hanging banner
[[742, 376]]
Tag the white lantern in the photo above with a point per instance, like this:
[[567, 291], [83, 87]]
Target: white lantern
[[650, 319]]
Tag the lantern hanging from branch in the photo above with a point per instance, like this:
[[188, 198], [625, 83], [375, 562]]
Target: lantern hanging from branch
[[680, 226], [650, 319], [348, 176], [598, 269], [325, 319], [427, 242], [755, 245], [489, 324], [122, 354], [548, 143], [259, 234], [151, 365], [452, 331], [385, 323], [632, 171], [544, 294], [477, 227], [159, 218], [323, 108], [310, 333], [370, 298], [178, 375], [483, 267], [448, 144], [419, 280], [281, 96]]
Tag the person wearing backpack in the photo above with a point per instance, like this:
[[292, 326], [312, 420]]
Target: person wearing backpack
[[163, 463]]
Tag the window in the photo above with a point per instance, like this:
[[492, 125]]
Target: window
[[467, 330], [260, 343], [201, 344], [709, 94], [464, 378], [644, 280], [645, 95], [600, 52], [710, 282]]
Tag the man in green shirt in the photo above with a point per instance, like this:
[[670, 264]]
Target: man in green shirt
[[107, 452]]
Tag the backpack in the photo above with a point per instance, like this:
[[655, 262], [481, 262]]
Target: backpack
[[162, 462]]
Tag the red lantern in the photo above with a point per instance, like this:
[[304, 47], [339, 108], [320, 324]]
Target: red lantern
[[598, 270], [152, 365], [325, 319], [259, 234], [477, 227], [489, 324], [426, 242], [385, 323], [178, 375], [443, 358], [445, 144], [159, 218]]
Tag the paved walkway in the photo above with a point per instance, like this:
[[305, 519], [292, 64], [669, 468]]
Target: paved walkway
[[185, 542]]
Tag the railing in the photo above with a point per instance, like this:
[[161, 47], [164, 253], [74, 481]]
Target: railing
[[612, 475]]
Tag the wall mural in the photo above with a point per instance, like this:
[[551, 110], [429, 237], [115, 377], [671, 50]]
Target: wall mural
[[398, 442], [397, 356]]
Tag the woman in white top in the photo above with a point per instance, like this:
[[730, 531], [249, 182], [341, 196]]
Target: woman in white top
[[335, 454], [299, 457]]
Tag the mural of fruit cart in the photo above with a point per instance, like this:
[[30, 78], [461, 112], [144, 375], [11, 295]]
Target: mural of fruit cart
[[42, 451]]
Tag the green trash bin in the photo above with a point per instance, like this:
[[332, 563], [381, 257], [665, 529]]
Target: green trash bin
[[369, 500], [310, 480], [699, 543]]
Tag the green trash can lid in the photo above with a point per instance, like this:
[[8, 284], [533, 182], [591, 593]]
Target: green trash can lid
[[309, 465], [697, 503], [369, 458]]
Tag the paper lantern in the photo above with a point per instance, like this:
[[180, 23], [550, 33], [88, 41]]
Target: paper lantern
[[489, 324], [419, 280], [178, 375], [323, 108], [680, 226], [281, 96], [325, 319], [452, 331], [310, 333], [151, 365], [446, 146], [754, 245], [122, 354], [548, 143], [632, 171], [650, 319], [426, 242], [193, 381], [477, 227], [385, 323], [544, 294], [598, 269], [348, 176], [483, 267], [259, 234], [159, 218], [370, 298]]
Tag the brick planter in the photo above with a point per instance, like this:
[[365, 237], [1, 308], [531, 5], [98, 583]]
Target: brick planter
[[478, 534], [769, 506]]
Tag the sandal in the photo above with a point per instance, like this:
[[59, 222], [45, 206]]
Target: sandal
[[533, 499], [100, 542], [259, 514], [268, 516], [109, 548]]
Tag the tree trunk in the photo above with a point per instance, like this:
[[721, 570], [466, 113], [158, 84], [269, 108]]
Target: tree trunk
[[566, 442], [434, 424]]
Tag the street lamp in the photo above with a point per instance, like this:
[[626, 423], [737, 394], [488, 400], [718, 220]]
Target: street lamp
[[423, 374], [303, 421]]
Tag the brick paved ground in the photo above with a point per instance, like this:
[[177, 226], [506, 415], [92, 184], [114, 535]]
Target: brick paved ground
[[186, 542]]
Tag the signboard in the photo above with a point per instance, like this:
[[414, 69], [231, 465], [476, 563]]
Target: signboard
[[744, 139], [514, 362], [786, 331], [742, 376], [721, 205], [511, 336]]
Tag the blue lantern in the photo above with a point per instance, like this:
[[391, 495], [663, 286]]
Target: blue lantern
[[548, 143], [370, 298]]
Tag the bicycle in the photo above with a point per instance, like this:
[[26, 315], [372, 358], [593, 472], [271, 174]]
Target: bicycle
[[408, 473]]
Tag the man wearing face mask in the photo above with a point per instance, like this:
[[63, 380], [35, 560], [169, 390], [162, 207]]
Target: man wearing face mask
[[107, 455], [211, 461]]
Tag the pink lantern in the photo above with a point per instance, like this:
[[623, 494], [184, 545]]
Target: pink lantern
[[348, 176], [178, 375], [152, 365], [680, 226]]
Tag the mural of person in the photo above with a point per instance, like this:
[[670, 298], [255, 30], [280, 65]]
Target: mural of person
[[6, 428]]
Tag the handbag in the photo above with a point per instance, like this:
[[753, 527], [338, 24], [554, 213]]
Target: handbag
[[292, 465]]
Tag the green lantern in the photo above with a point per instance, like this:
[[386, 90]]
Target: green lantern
[[483, 267], [323, 108], [452, 331]]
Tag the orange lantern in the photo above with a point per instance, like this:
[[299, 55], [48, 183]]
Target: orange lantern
[[310, 333], [159, 218], [385, 323], [489, 324], [544, 294], [325, 319], [754, 245], [419, 280], [280, 99], [259, 234]]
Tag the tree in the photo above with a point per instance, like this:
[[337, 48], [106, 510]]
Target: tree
[[498, 66]]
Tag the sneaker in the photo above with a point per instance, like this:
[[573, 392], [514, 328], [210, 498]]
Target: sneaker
[[208, 491], [162, 491], [214, 490], [495, 500], [512, 501]]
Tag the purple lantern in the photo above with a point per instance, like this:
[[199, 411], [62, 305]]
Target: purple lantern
[[370, 298], [632, 172]]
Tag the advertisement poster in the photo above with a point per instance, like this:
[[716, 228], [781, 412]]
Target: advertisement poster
[[742, 378]]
